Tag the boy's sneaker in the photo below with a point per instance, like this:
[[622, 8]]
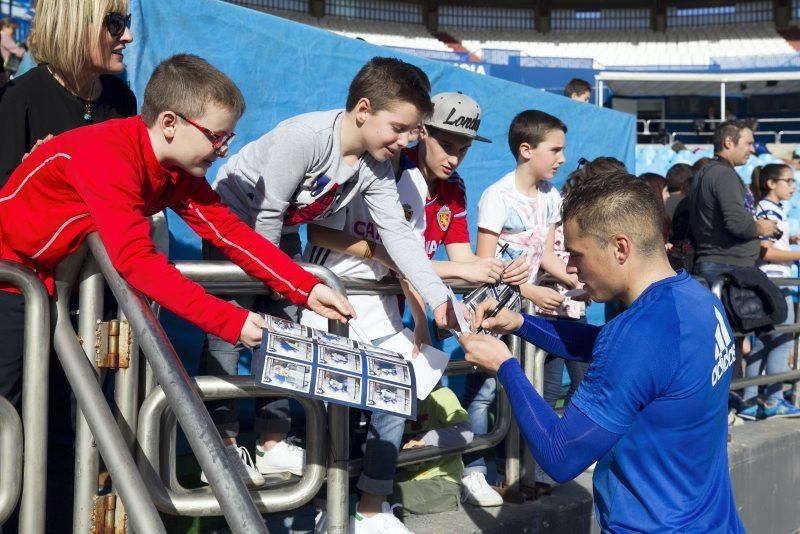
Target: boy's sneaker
[[477, 492], [780, 408], [282, 458], [243, 462], [382, 523], [753, 412]]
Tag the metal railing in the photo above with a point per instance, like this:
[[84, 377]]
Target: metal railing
[[35, 370], [646, 127], [10, 458], [792, 376]]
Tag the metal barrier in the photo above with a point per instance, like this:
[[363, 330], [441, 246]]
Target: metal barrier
[[10, 458], [36, 364]]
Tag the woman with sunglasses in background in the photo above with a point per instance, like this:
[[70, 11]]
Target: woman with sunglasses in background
[[79, 48]]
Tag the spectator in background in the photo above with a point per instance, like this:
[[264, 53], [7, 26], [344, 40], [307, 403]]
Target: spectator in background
[[10, 51], [771, 186], [681, 255], [722, 210], [578, 90], [74, 83], [657, 183], [677, 177]]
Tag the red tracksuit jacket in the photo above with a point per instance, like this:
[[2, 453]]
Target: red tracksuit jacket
[[106, 178]]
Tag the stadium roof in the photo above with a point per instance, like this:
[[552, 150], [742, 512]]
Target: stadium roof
[[695, 83]]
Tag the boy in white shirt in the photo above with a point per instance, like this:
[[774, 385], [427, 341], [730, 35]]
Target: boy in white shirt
[[522, 210]]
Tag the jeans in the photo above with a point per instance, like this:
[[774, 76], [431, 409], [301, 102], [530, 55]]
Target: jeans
[[384, 438], [553, 375], [712, 271], [222, 358], [770, 353], [479, 394]]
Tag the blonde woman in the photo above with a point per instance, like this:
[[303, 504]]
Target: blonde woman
[[79, 47]]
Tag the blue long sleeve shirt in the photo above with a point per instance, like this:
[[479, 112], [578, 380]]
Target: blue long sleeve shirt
[[651, 410]]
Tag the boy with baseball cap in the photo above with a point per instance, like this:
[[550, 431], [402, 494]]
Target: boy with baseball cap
[[433, 198]]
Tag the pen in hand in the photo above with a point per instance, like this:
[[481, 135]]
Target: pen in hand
[[496, 310]]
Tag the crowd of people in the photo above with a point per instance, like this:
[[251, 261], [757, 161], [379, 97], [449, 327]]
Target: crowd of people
[[377, 183]]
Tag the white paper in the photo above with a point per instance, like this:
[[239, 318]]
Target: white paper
[[463, 324], [429, 365]]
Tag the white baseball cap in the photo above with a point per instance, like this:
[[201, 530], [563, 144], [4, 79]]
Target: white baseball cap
[[456, 113]]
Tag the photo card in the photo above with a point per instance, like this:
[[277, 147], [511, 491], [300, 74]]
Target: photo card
[[339, 386], [387, 370], [286, 374], [339, 358], [389, 397], [378, 352], [326, 338], [280, 345], [286, 327]]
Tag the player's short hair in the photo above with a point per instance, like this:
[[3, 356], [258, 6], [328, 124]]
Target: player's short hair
[[576, 86], [532, 126], [732, 129], [186, 84], [616, 203], [385, 81]]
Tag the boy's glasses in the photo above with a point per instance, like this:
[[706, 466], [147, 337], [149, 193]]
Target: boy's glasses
[[217, 140], [116, 23]]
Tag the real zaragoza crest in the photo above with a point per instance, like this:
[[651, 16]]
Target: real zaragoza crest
[[443, 217]]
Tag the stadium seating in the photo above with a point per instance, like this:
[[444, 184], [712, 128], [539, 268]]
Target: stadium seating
[[680, 46]]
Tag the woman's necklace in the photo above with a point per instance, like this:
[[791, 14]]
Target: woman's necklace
[[88, 105]]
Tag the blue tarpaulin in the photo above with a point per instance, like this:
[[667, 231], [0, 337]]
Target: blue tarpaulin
[[285, 68]]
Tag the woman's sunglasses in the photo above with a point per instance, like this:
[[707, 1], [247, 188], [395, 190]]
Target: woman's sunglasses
[[116, 23]]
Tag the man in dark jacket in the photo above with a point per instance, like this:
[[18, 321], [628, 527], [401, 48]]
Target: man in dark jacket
[[722, 208]]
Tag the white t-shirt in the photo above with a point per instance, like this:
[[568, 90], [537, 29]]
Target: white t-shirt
[[378, 315], [774, 211], [521, 221]]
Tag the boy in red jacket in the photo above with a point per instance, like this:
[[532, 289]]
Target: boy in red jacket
[[108, 178]]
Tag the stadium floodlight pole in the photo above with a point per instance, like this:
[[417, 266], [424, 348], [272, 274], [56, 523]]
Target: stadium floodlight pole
[[206, 443], [722, 110]]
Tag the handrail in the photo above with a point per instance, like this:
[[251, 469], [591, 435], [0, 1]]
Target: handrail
[[239, 509], [35, 370], [10, 458], [203, 501], [92, 403]]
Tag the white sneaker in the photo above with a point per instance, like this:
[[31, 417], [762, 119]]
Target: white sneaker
[[243, 462], [283, 457], [383, 523], [477, 492]]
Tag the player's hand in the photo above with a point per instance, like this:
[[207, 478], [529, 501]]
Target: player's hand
[[414, 444], [38, 142], [481, 271], [252, 330], [546, 298], [505, 322], [330, 304], [517, 272], [487, 352]]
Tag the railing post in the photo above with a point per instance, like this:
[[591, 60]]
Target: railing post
[[92, 402], [87, 460], [10, 458], [237, 504], [512, 437], [35, 372]]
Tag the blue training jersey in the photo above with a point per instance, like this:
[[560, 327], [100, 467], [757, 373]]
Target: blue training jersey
[[659, 377]]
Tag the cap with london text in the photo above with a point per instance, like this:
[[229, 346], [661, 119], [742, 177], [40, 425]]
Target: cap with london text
[[456, 113]]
